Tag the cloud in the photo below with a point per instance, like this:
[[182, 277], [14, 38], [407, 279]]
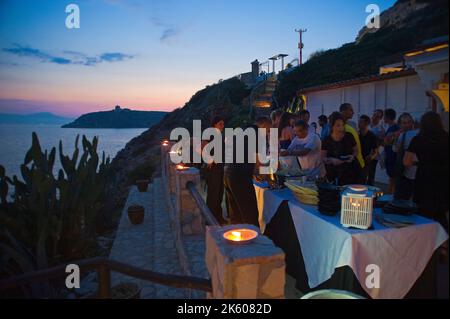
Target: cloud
[[124, 3], [168, 34], [169, 31], [68, 57], [115, 57], [58, 60], [157, 21], [28, 52], [9, 63]]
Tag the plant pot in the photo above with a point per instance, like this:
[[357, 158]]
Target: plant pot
[[126, 291], [136, 214], [142, 185]]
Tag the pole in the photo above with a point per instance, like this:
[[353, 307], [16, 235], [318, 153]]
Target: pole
[[104, 280], [301, 47], [300, 44]]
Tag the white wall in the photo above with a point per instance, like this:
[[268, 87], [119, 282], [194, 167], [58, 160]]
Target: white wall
[[406, 94]]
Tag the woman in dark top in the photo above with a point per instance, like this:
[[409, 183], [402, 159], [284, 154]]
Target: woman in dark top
[[285, 130], [431, 184], [339, 152]]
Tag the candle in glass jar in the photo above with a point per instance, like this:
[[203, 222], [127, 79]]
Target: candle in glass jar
[[240, 235]]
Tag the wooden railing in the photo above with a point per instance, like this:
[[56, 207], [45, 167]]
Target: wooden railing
[[104, 266]]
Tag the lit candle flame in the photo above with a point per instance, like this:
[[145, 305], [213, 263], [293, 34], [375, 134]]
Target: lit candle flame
[[240, 235], [237, 235], [355, 204]]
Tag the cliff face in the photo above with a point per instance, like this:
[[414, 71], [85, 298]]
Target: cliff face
[[398, 16], [225, 99], [117, 118]]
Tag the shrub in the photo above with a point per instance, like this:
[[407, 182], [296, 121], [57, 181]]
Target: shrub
[[50, 220]]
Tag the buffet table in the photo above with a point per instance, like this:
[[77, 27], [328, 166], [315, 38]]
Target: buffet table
[[320, 253]]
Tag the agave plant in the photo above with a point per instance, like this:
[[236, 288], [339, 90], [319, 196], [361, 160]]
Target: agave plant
[[49, 219], [291, 106], [296, 104]]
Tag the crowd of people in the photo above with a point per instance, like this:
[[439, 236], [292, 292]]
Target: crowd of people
[[414, 155]]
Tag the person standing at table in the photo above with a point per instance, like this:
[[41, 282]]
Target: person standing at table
[[275, 117], [240, 192], [431, 186], [285, 130], [404, 187], [369, 146], [325, 127], [339, 151], [347, 112], [314, 127], [307, 147], [305, 116], [214, 179], [390, 158], [376, 124], [377, 128]]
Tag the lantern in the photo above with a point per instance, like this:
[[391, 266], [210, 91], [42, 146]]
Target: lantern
[[357, 207]]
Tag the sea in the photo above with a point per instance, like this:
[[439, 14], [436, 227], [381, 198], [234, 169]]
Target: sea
[[15, 140]]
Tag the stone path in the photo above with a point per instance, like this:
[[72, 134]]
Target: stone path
[[149, 245], [195, 251]]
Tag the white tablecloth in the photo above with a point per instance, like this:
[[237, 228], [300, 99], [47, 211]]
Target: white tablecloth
[[268, 203], [401, 254]]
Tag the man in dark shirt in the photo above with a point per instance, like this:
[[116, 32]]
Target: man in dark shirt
[[390, 157], [214, 177], [369, 146], [240, 193]]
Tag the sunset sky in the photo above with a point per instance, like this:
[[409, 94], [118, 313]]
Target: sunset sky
[[152, 55]]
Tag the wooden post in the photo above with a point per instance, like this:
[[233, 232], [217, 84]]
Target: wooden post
[[104, 280]]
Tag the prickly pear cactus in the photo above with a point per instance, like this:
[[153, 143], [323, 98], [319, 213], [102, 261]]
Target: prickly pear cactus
[[50, 219]]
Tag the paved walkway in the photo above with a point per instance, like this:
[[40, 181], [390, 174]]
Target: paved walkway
[[149, 245], [195, 251]]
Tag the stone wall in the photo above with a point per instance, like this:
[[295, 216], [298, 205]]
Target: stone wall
[[244, 271]]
